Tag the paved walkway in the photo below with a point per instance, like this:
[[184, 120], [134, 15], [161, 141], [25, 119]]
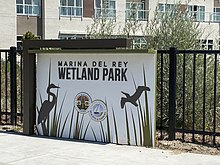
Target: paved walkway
[[31, 150]]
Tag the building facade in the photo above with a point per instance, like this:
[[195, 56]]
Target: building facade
[[8, 24], [69, 19]]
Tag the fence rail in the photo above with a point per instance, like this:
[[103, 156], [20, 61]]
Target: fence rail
[[189, 94]]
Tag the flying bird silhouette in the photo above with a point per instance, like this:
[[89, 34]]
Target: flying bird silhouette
[[47, 105], [133, 99]]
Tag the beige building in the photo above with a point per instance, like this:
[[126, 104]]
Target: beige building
[[8, 29], [68, 19]]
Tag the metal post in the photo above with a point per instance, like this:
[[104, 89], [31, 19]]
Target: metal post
[[13, 84], [172, 93]]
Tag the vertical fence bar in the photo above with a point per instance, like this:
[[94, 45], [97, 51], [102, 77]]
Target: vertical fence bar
[[6, 87], [21, 87], [194, 92], [184, 91], [13, 84], [172, 93], [204, 98], [215, 85], [0, 87], [161, 96]]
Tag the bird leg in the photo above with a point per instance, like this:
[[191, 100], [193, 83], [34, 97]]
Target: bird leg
[[44, 128]]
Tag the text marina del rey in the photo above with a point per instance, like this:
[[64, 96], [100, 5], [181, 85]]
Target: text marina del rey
[[93, 70]]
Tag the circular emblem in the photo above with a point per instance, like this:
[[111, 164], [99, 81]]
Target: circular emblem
[[98, 110], [82, 102]]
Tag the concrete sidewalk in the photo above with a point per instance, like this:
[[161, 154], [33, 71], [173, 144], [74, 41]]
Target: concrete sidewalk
[[30, 150]]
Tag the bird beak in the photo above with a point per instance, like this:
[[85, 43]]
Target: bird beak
[[56, 87], [122, 92]]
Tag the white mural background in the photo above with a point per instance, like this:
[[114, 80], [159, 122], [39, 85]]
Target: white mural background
[[128, 125]]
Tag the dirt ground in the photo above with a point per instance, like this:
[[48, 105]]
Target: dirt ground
[[177, 146]]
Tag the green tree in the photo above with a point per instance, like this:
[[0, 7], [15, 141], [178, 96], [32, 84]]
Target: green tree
[[29, 36], [177, 28], [101, 28], [173, 28]]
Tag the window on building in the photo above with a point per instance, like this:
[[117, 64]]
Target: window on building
[[19, 42], [105, 8], [135, 11], [71, 36], [138, 42], [197, 12], [207, 44], [28, 7], [71, 8], [210, 45], [164, 8], [216, 15]]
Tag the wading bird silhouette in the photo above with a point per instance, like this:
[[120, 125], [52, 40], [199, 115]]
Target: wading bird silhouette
[[47, 105], [132, 99]]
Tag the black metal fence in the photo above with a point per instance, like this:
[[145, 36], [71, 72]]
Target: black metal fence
[[188, 93], [11, 87], [188, 98]]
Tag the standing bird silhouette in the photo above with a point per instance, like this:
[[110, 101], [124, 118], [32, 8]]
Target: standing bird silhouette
[[47, 105], [133, 99]]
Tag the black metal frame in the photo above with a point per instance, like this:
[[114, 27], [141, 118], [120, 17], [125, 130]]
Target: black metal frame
[[29, 71], [13, 74]]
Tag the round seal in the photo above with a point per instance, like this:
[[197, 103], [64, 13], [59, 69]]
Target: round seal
[[82, 102], [98, 110]]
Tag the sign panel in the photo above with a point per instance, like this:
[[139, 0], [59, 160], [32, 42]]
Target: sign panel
[[106, 97]]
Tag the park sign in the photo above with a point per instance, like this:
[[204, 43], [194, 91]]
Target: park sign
[[97, 95]]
